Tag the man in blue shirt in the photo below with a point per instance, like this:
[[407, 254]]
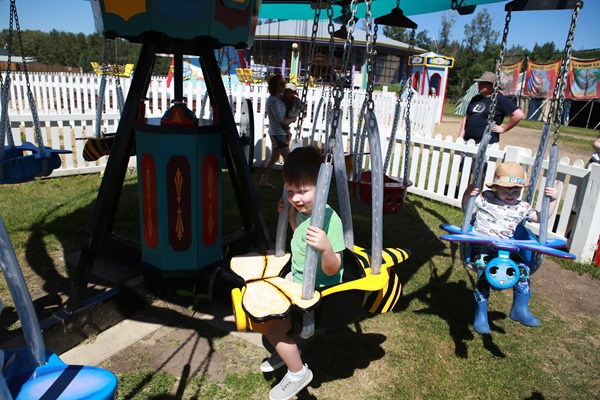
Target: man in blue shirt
[[475, 121]]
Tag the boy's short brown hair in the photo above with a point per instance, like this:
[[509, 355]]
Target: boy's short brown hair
[[302, 166]]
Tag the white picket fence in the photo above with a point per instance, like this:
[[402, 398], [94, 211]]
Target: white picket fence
[[66, 105]]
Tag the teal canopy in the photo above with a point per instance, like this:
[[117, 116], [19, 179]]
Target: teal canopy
[[300, 9]]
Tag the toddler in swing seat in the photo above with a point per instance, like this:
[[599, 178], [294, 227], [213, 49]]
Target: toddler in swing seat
[[300, 172], [497, 213], [293, 106]]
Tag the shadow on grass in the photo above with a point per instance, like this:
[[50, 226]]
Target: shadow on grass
[[49, 272], [449, 300], [192, 356], [335, 354]]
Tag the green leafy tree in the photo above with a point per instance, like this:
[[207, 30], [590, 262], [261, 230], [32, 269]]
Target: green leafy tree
[[446, 24], [547, 52], [397, 33], [479, 32], [423, 40]]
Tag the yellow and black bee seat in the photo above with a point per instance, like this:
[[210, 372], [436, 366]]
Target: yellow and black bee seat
[[266, 294]]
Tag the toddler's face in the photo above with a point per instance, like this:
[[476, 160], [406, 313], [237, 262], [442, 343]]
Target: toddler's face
[[301, 197], [509, 195]]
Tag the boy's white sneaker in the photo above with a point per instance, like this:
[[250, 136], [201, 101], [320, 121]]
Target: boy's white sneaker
[[286, 389]]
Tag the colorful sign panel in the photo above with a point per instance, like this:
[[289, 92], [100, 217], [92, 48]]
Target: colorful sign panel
[[584, 79]]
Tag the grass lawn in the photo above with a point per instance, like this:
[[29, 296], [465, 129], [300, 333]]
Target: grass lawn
[[425, 348]]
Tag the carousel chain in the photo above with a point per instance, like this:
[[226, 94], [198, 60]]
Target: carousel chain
[[4, 120], [481, 155], [331, 31], [330, 136], [111, 66], [406, 84], [350, 28], [340, 79], [34, 114], [105, 68], [370, 55], [498, 67], [229, 85], [409, 97], [311, 53], [560, 87]]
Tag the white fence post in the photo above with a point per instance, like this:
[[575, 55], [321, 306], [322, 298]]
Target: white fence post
[[586, 231]]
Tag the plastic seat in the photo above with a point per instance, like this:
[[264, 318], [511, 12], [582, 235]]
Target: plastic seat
[[17, 167], [394, 192], [34, 372], [55, 379]]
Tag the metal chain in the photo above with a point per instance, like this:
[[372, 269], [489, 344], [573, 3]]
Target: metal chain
[[359, 144], [329, 136], [203, 104], [112, 58], [499, 64], [229, 91], [32, 105], [409, 97], [331, 31], [558, 97], [370, 55], [340, 78], [330, 139], [351, 118], [311, 53], [406, 83], [5, 122], [388, 154], [105, 68], [480, 160]]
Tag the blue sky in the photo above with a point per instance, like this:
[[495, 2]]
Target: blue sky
[[526, 28]]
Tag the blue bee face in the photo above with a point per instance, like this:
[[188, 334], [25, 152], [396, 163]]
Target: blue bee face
[[502, 273]]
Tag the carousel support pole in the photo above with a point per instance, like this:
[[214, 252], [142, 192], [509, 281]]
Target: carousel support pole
[[112, 183], [242, 183]]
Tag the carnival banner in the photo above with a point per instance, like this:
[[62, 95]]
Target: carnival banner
[[509, 78], [584, 79], [540, 79]]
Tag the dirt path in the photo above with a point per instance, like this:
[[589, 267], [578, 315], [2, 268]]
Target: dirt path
[[568, 292], [518, 136]]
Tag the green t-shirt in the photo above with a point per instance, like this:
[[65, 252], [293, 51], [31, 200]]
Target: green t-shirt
[[332, 225]]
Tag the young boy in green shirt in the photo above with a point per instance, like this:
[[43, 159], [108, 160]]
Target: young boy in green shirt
[[300, 172]]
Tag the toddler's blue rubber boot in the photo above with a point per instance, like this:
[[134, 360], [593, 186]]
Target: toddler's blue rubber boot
[[481, 324], [520, 308]]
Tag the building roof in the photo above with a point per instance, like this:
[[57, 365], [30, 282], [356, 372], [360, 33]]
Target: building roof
[[17, 59], [301, 31], [14, 59]]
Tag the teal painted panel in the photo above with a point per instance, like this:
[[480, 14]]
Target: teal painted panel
[[229, 22], [182, 248]]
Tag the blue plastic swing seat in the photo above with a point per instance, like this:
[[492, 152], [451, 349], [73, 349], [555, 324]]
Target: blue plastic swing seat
[[16, 167], [55, 380], [524, 242]]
